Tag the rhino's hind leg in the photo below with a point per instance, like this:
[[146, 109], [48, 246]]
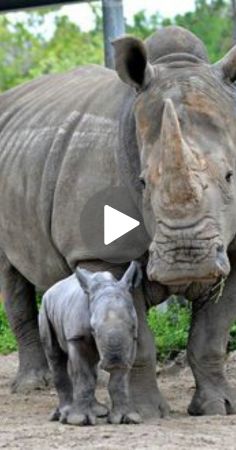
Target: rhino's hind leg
[[145, 396], [206, 353], [21, 309]]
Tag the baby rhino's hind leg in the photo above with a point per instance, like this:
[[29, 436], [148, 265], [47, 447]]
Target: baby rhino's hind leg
[[57, 360], [82, 362], [63, 386]]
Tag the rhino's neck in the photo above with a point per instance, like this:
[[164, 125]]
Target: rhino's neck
[[127, 153]]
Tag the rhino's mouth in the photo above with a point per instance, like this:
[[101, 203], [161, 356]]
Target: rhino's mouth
[[184, 257]]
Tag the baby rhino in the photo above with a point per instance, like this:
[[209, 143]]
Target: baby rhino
[[86, 318]]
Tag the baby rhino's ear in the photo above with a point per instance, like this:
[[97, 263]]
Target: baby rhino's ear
[[84, 277], [133, 275]]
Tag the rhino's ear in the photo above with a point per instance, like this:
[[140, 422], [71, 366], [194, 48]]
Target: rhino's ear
[[226, 67], [131, 61], [84, 278], [133, 275]]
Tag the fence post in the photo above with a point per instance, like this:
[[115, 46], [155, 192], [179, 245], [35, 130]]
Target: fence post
[[113, 26]]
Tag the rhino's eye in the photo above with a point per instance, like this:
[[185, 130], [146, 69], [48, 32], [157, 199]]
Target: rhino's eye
[[229, 176], [142, 182]]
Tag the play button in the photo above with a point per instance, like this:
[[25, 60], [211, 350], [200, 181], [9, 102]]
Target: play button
[[112, 227], [116, 224]]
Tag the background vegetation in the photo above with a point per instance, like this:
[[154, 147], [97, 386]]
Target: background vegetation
[[26, 53]]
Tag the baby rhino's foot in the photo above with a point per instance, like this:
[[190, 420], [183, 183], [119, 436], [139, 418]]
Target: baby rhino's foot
[[55, 415], [118, 417], [99, 409], [80, 417], [59, 414]]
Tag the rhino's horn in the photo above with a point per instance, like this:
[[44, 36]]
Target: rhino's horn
[[177, 159]]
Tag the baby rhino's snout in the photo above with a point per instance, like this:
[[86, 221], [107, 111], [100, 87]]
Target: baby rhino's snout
[[114, 361], [115, 354]]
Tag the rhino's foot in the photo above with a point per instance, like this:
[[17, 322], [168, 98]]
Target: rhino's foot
[[145, 396], [79, 417], [27, 381], [212, 401], [59, 414], [99, 409], [55, 415], [118, 417]]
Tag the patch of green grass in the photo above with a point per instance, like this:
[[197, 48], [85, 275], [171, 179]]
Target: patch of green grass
[[232, 339], [7, 340], [170, 329]]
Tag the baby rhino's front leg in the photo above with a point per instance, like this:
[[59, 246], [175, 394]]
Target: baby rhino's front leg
[[121, 411]]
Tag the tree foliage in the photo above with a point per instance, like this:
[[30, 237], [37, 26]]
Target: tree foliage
[[26, 52]]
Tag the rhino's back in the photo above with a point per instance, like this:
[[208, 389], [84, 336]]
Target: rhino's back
[[57, 141]]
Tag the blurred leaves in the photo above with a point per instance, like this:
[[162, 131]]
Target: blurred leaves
[[26, 51]]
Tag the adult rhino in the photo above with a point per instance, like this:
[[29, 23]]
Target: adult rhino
[[164, 128]]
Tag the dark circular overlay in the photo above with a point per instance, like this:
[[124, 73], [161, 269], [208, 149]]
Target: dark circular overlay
[[131, 245]]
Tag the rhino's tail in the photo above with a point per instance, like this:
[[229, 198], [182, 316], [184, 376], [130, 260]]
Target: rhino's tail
[[47, 334]]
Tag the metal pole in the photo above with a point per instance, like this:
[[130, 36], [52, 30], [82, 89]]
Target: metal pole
[[233, 5], [113, 26]]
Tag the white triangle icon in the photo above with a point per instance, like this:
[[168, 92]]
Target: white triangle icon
[[116, 224]]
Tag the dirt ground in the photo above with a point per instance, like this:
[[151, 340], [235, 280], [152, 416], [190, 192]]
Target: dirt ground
[[24, 420]]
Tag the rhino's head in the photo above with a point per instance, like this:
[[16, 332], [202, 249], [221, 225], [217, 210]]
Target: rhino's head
[[113, 317], [185, 114]]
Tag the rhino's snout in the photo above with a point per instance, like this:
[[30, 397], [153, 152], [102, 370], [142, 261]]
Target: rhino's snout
[[113, 362], [185, 260]]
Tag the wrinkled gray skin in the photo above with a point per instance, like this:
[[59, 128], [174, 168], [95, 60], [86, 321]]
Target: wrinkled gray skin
[[87, 318], [166, 121]]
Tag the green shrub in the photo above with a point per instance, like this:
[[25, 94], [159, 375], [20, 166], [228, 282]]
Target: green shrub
[[170, 329], [232, 339], [7, 340]]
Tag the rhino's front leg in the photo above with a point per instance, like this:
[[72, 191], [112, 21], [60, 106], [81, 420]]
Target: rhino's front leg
[[146, 398], [20, 304], [82, 368], [206, 352], [118, 387]]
